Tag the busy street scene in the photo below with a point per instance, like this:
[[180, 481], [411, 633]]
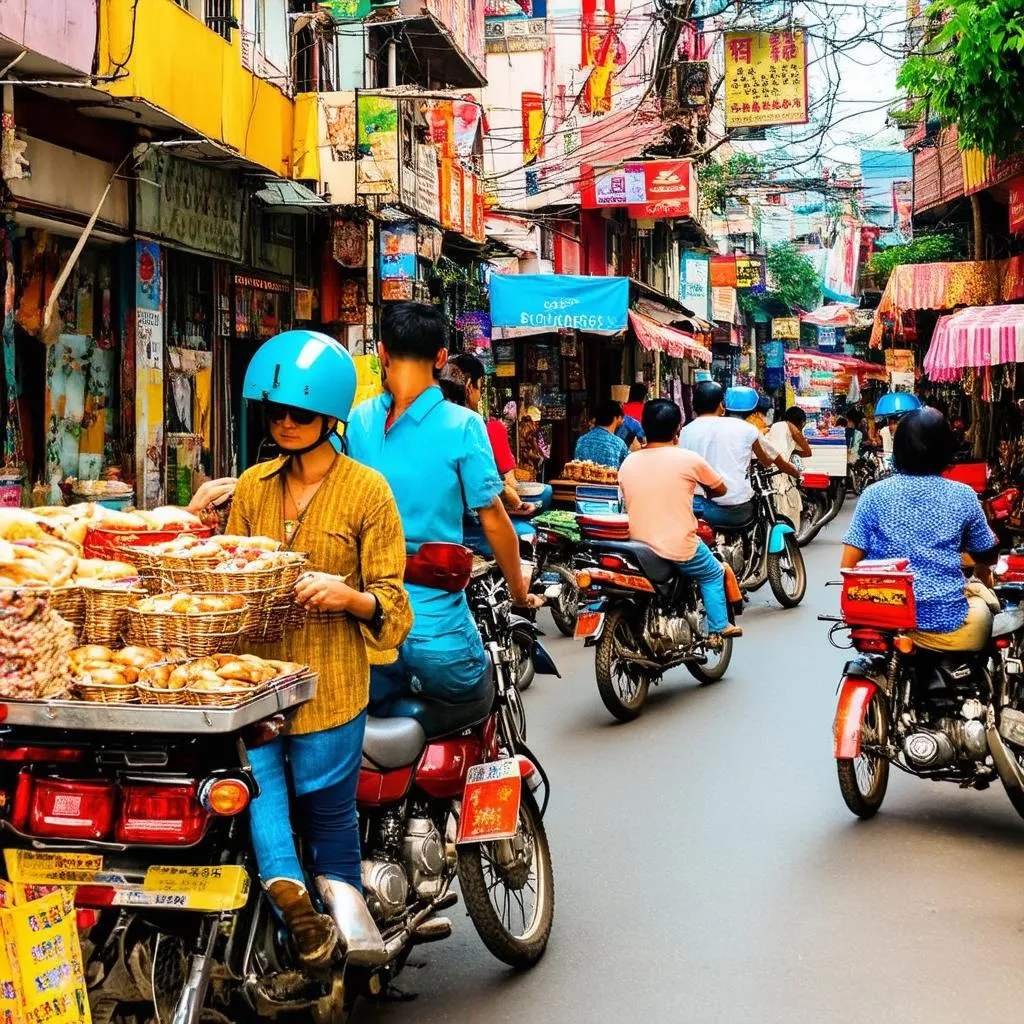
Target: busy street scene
[[511, 510]]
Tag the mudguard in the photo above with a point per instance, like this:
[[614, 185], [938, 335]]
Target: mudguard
[[520, 622], [777, 540], [855, 693], [543, 663]]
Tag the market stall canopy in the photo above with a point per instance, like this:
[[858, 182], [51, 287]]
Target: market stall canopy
[[947, 285], [653, 335], [660, 312], [546, 303], [797, 359], [976, 336], [832, 316]]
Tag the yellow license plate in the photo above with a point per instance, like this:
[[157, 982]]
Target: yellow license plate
[[173, 886]]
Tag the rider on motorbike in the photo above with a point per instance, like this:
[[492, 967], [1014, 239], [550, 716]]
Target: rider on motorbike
[[438, 461], [888, 410], [728, 443], [657, 484], [317, 500], [920, 515]]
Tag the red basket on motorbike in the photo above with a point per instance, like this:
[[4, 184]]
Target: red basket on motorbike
[[879, 594], [1001, 507], [609, 527], [974, 474], [815, 481]]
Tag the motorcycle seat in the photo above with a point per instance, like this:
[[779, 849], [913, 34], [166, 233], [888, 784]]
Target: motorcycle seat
[[1008, 621], [656, 568], [438, 718], [393, 742]]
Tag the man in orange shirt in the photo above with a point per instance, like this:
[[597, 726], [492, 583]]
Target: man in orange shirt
[[657, 483]]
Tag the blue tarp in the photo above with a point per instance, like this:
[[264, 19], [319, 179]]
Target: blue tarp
[[559, 301]]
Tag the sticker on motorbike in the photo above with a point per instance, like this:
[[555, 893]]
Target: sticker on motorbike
[[490, 802], [588, 624]]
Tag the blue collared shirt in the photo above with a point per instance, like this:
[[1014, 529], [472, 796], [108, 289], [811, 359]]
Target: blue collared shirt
[[437, 459], [603, 447]]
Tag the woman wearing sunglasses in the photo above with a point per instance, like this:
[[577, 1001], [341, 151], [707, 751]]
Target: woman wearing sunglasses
[[342, 514]]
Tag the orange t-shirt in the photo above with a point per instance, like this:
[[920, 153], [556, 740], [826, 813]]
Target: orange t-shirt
[[658, 486]]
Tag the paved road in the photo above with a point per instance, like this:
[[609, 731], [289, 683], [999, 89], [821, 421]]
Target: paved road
[[706, 869]]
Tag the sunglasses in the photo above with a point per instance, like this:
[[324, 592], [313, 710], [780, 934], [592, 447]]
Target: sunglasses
[[276, 412]]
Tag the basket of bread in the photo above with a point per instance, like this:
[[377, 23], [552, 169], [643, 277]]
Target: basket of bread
[[35, 644], [220, 680], [107, 676], [109, 532], [202, 623]]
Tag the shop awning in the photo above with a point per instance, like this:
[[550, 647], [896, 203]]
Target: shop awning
[[653, 335], [831, 316], [976, 336], [289, 197], [798, 359]]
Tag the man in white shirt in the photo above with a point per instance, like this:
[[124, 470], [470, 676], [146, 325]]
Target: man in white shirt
[[727, 444]]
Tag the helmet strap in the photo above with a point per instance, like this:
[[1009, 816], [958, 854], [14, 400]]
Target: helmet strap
[[325, 433]]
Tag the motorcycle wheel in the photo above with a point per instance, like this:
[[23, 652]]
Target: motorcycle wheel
[[509, 889], [566, 608], [863, 780], [714, 668], [810, 518], [623, 686], [787, 574], [523, 672]]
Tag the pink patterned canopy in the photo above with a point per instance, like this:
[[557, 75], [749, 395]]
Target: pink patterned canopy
[[976, 336]]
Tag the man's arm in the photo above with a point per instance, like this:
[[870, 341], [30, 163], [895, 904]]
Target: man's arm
[[504, 543], [851, 556], [803, 446]]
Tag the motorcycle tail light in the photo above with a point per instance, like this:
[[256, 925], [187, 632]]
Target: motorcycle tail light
[[1002, 643], [583, 580], [870, 641], [224, 797], [613, 562], [68, 808], [164, 815], [44, 755]]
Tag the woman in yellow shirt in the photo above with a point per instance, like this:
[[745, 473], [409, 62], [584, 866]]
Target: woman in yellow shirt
[[316, 500]]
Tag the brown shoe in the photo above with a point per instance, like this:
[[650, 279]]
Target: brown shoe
[[732, 631], [315, 934]]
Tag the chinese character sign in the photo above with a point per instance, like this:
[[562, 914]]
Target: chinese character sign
[[765, 79], [695, 292]]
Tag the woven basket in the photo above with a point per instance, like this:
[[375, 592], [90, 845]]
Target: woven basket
[[105, 693], [105, 608], [102, 542], [201, 634], [159, 695], [228, 697], [69, 603]]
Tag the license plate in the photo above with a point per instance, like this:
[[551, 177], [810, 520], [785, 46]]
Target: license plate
[[206, 888], [588, 624], [490, 802]]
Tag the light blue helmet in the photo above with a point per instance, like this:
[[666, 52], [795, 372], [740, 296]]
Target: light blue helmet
[[741, 399], [306, 370], [897, 403]]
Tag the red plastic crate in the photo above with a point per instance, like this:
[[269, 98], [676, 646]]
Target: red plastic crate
[[974, 474], [879, 594], [609, 527], [815, 481]]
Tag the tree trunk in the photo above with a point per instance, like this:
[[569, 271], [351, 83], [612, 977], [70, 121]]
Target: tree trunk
[[979, 231]]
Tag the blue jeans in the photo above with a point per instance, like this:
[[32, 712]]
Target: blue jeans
[[443, 667], [708, 572], [324, 773], [724, 515]]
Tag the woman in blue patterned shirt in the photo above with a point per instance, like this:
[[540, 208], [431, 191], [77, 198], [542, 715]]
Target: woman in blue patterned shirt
[[920, 515]]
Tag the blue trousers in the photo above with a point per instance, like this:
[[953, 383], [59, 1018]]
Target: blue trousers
[[723, 515], [708, 572], [324, 774]]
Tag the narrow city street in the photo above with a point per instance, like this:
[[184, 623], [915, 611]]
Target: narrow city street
[[706, 868]]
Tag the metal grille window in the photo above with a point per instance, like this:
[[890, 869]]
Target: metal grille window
[[219, 15]]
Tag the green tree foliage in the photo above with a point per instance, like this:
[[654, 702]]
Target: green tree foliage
[[927, 249], [971, 72], [793, 278], [719, 182]]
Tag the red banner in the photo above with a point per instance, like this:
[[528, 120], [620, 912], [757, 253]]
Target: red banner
[[647, 188], [723, 271], [533, 127], [1017, 205]]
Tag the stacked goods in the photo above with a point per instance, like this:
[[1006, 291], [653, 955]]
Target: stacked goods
[[102, 674], [34, 647], [110, 532], [590, 473], [221, 679], [203, 624]]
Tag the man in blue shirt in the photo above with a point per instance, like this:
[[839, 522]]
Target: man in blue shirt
[[602, 445], [437, 459]]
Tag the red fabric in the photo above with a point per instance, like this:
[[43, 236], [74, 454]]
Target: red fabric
[[498, 436], [634, 409]]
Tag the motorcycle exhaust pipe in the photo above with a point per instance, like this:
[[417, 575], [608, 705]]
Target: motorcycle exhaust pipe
[[1007, 766]]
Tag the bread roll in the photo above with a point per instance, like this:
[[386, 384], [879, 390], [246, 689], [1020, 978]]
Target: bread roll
[[241, 671], [156, 676], [92, 652], [137, 657], [178, 678]]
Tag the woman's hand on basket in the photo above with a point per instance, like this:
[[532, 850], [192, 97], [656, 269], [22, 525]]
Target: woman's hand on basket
[[324, 591]]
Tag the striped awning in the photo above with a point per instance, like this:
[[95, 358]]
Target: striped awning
[[974, 337], [653, 335]]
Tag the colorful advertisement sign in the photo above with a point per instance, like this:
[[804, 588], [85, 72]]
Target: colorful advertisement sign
[[695, 292], [750, 272], [648, 188], [1017, 205], [765, 79], [149, 375], [398, 251], [533, 127], [553, 302], [376, 145], [723, 271], [346, 10], [786, 328]]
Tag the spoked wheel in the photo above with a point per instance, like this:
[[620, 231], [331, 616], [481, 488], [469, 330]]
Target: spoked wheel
[[622, 683], [566, 607], [718, 655], [863, 780], [509, 890], [787, 574]]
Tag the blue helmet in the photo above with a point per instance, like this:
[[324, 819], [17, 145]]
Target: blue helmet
[[741, 399], [303, 369], [897, 403]]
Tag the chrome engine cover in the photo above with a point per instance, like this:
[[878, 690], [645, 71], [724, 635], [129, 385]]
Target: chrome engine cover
[[386, 888], [424, 856], [732, 554], [668, 634]]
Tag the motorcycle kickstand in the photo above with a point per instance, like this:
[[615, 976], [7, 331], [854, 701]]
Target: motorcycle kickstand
[[189, 1007]]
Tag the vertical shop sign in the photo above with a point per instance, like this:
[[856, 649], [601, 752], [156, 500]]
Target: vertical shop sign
[[476, 336], [1017, 205], [376, 145], [695, 293], [765, 79], [466, 116], [723, 271], [149, 375], [533, 127], [397, 261], [750, 272]]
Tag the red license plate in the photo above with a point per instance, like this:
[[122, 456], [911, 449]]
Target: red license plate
[[588, 623], [490, 802]]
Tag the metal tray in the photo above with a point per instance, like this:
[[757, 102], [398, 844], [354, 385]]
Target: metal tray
[[169, 718]]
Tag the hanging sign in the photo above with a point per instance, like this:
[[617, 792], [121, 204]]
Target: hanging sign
[[765, 79], [723, 271], [695, 292], [554, 301], [750, 272], [533, 127], [786, 328], [647, 188], [899, 360], [346, 10], [398, 252], [1017, 205], [827, 339], [723, 304]]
